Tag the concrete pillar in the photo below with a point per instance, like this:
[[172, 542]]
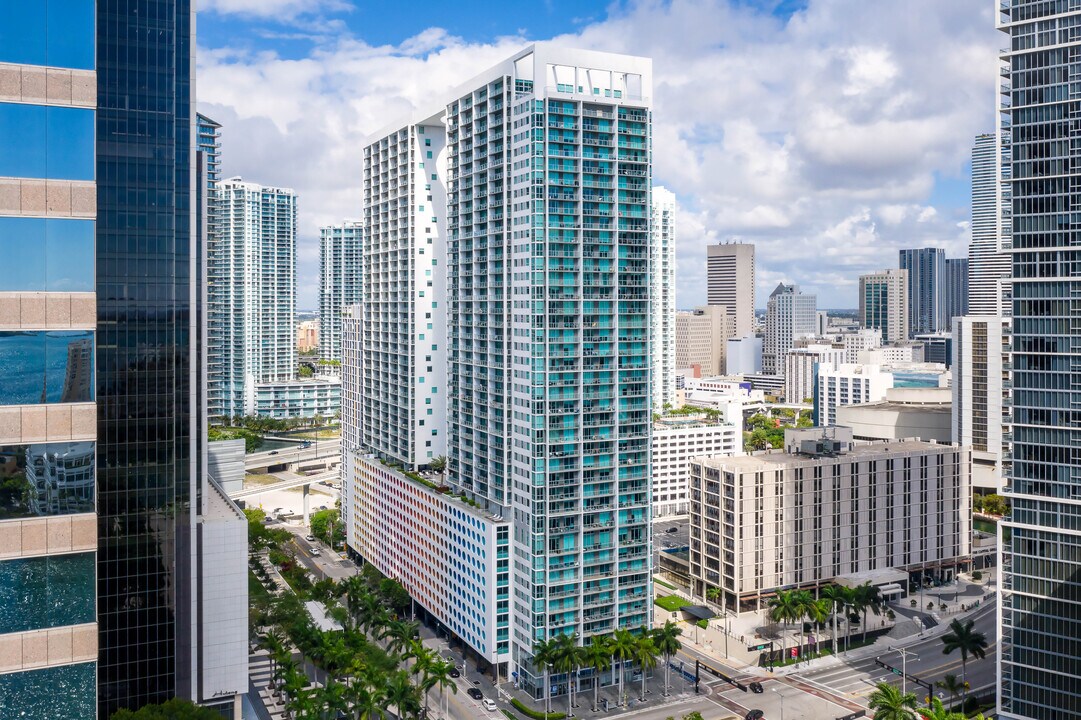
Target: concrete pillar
[[307, 503]]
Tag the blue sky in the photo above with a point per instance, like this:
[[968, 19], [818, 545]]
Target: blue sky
[[830, 133]]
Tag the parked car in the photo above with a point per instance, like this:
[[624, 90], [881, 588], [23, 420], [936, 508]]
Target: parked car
[[273, 452], [754, 715], [489, 705], [315, 551], [309, 537], [672, 530], [474, 693], [454, 672]]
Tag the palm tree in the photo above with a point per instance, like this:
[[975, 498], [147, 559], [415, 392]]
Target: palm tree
[[667, 641], [566, 658], [837, 597], [597, 656], [936, 711], [951, 684], [713, 593], [866, 597], [889, 703], [818, 612], [783, 609], [645, 655], [370, 615], [440, 675], [425, 665], [623, 646], [802, 600], [544, 654], [970, 642], [399, 634], [403, 695]]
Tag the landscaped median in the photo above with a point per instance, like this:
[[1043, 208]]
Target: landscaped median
[[672, 603]]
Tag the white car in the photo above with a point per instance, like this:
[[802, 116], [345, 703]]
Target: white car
[[489, 705], [315, 552]]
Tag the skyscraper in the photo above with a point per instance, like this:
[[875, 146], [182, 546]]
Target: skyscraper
[[662, 286], [341, 250], [252, 276], [988, 257], [548, 342], [956, 289], [730, 282], [884, 304], [789, 315], [977, 386], [1040, 662], [927, 297], [701, 338]]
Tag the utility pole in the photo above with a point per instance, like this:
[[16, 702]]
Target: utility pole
[[904, 666]]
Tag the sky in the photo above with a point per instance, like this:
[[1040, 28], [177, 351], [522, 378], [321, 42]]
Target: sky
[[829, 133]]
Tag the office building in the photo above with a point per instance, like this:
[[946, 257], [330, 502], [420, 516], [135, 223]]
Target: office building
[[956, 289], [822, 323], [762, 522], [341, 253], [884, 301], [988, 254], [923, 413], [801, 369], [115, 537], [730, 282], [252, 280], [1040, 661], [567, 415], [743, 355], [678, 438], [789, 315], [937, 348], [662, 285], [928, 303], [844, 384], [979, 386], [308, 336], [860, 340], [701, 337]]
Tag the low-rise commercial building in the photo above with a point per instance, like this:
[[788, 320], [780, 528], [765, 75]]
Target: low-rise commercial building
[[825, 508], [679, 438], [923, 413]]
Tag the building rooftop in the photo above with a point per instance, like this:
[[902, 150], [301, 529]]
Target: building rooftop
[[859, 450]]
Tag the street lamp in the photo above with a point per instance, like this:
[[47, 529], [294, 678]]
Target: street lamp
[[904, 666], [780, 695]]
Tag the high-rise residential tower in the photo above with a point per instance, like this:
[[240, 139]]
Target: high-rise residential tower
[[884, 304], [956, 290], [1040, 661], [790, 315], [662, 285], [548, 343], [341, 249], [252, 280], [988, 257], [730, 282], [928, 302], [977, 386]]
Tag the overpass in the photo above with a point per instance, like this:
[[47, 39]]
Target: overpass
[[301, 482], [319, 449]]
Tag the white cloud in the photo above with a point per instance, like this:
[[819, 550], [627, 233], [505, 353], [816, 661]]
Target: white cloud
[[818, 139]]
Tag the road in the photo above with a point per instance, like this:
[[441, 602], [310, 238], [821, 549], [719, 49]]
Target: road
[[287, 484], [859, 677], [319, 449]]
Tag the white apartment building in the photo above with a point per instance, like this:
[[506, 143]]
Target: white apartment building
[[662, 286], [980, 384], [860, 340], [307, 397], [677, 439], [884, 299], [730, 283], [790, 315], [251, 323], [989, 264], [823, 511], [800, 366], [700, 338], [847, 384], [341, 255], [743, 355]]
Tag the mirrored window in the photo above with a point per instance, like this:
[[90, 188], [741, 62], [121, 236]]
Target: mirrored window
[[45, 592], [46, 479], [55, 366], [52, 142], [60, 33], [46, 255], [64, 691]]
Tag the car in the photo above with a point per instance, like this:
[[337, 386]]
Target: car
[[315, 552], [474, 693], [306, 443], [672, 530], [489, 705], [454, 672], [309, 537], [756, 688], [755, 714], [273, 452]]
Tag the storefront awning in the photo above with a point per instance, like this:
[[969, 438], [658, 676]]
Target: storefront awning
[[699, 611]]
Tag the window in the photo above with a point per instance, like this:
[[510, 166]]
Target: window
[[59, 33], [46, 366], [54, 142], [46, 479], [46, 255], [44, 592]]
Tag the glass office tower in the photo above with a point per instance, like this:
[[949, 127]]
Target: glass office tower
[[1040, 664]]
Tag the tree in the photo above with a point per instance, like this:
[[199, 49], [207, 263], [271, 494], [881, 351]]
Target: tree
[[645, 655], [866, 597], [759, 440], [438, 464], [666, 639], [936, 711], [889, 703], [623, 646], [403, 695], [994, 504], [175, 709], [783, 608], [544, 654], [963, 638], [567, 658], [305, 371], [953, 685], [598, 656], [326, 526], [427, 665], [837, 596], [713, 593], [440, 673]]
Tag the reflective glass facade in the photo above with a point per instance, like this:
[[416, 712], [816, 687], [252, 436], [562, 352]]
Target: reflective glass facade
[[46, 479], [46, 592], [66, 691], [144, 234], [1041, 613]]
